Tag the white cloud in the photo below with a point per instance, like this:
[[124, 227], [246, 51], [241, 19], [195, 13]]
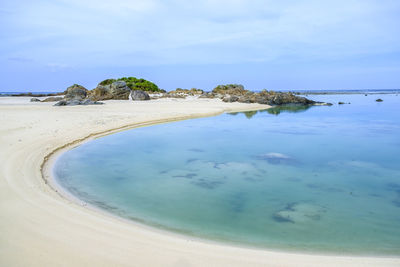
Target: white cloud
[[88, 32]]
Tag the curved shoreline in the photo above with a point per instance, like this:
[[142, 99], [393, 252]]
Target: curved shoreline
[[41, 228]]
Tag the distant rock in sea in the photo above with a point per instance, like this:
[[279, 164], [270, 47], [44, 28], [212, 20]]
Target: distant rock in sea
[[379, 100]]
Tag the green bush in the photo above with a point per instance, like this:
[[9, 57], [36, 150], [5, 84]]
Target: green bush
[[134, 84], [139, 84]]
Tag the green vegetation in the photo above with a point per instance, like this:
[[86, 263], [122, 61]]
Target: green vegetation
[[107, 82], [134, 84]]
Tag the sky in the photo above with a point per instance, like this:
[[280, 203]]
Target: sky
[[47, 45]]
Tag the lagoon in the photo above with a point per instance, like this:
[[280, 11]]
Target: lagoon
[[323, 179]]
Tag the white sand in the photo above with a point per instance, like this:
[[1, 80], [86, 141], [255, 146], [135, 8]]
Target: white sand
[[38, 227]]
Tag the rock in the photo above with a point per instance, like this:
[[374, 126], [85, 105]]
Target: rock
[[229, 89], [139, 95], [52, 99], [341, 103], [379, 100], [75, 102], [76, 91], [119, 90], [116, 90], [35, 100], [229, 98]]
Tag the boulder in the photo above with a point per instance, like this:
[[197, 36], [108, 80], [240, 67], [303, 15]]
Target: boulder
[[76, 91], [230, 98], [139, 95], [119, 90], [35, 100], [116, 90], [379, 100]]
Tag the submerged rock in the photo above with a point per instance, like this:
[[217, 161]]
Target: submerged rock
[[299, 213]]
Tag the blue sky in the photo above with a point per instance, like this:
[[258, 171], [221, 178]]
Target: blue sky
[[47, 45]]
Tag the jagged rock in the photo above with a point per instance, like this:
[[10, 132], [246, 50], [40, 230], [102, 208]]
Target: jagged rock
[[35, 100], [139, 95], [117, 90], [229, 89], [52, 99], [76, 91], [75, 102]]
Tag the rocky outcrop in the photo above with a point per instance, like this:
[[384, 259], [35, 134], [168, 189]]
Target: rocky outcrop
[[229, 89], [139, 95], [379, 100], [237, 93], [76, 92], [75, 102], [116, 90]]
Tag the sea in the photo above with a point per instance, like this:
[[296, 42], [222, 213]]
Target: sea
[[320, 179]]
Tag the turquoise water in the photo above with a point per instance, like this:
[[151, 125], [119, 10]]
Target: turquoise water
[[323, 179]]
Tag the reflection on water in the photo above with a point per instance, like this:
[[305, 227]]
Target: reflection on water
[[327, 179], [275, 110], [288, 108]]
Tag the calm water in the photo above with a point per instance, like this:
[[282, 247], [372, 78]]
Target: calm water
[[322, 179]]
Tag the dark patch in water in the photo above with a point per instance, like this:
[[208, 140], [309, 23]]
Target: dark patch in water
[[196, 150], [163, 172], [396, 202], [238, 201], [187, 176], [324, 188], [290, 206], [282, 219], [207, 184], [253, 179], [375, 195], [315, 217], [120, 178], [293, 179], [278, 159], [216, 166], [394, 187], [191, 160]]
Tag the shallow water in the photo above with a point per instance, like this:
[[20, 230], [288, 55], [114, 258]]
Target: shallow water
[[324, 179]]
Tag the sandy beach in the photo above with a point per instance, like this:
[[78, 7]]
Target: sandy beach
[[39, 227]]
